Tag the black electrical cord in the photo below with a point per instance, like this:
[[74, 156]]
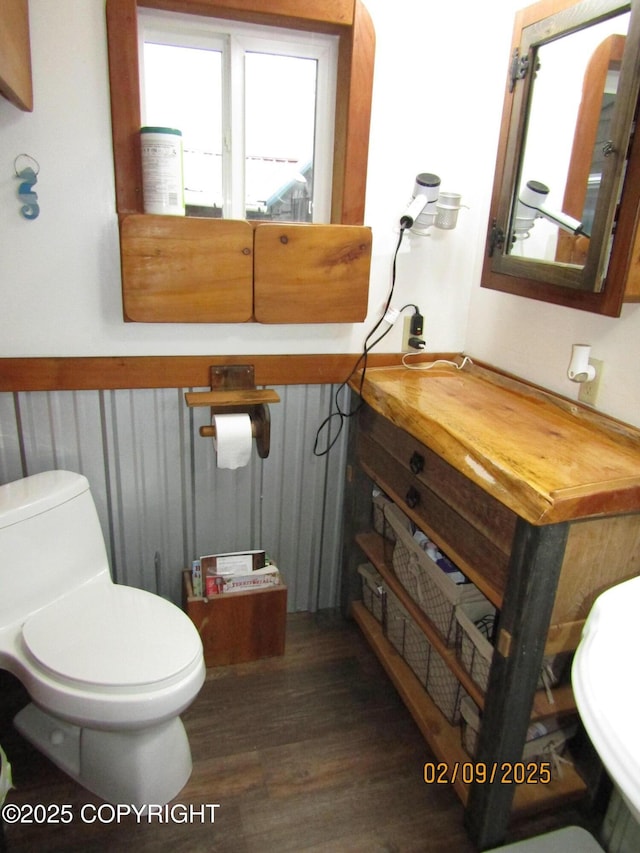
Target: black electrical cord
[[368, 345]]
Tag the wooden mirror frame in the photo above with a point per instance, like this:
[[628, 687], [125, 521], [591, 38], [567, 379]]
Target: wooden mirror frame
[[347, 19], [606, 57], [622, 282]]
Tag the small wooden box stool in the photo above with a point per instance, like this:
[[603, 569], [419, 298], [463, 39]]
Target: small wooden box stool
[[236, 627]]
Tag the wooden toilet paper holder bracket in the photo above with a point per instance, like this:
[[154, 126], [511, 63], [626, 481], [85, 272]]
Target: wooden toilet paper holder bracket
[[233, 391]]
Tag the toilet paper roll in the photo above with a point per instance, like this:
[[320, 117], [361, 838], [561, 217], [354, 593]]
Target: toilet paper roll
[[233, 440]]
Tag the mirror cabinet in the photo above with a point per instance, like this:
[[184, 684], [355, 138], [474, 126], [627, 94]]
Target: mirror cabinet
[[563, 225]]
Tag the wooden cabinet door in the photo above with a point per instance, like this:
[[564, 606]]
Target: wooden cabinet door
[[186, 270], [311, 273]]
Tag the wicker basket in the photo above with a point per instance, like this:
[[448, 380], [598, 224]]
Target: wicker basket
[[545, 742], [431, 588], [372, 590], [427, 665], [475, 652], [379, 504]]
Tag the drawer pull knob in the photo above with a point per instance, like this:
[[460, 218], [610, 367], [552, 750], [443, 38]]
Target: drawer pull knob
[[416, 463], [412, 498]]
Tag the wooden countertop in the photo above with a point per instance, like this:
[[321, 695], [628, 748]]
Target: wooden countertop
[[546, 457]]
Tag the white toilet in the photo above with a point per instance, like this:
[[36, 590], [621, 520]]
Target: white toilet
[[109, 668]]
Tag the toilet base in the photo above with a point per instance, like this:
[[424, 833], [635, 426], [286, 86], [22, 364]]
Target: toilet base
[[138, 767]]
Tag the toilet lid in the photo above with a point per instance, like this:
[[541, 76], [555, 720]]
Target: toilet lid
[[111, 635]]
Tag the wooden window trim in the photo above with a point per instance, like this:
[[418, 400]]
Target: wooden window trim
[[348, 19]]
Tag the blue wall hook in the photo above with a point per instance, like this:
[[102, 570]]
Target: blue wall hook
[[29, 177]]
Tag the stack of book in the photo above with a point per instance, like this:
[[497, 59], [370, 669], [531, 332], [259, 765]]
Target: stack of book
[[237, 571]]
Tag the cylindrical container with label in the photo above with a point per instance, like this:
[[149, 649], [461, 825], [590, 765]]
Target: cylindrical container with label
[[162, 181]]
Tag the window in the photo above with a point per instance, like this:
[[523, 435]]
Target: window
[[256, 109]]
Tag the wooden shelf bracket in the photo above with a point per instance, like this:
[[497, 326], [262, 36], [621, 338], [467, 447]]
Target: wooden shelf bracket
[[232, 391]]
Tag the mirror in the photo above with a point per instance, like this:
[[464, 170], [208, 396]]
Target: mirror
[[555, 144], [562, 219]]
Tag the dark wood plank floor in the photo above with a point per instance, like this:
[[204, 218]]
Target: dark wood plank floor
[[313, 751]]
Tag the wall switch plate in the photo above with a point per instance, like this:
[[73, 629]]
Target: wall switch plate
[[588, 392], [406, 334]]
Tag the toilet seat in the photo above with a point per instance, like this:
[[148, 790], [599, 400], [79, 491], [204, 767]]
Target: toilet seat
[[105, 636]]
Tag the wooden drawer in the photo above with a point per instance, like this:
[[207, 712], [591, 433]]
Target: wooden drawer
[[476, 554], [182, 269], [311, 273], [481, 510]]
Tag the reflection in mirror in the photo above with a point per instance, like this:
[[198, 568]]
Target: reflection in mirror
[[591, 144], [568, 130]]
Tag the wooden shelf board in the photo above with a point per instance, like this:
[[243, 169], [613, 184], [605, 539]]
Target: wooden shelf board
[[232, 397], [372, 544], [563, 703], [444, 739], [568, 787]]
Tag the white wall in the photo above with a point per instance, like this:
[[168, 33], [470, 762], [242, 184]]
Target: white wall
[[437, 100]]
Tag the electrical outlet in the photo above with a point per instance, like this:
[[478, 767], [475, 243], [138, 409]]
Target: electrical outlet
[[588, 392], [406, 334]]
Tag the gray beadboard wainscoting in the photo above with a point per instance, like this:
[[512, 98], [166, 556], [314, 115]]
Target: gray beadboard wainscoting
[[160, 497]]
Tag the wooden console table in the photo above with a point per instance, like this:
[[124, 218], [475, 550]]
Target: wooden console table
[[537, 500]]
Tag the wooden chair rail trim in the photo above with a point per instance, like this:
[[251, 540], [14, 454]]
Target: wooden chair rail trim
[[190, 371]]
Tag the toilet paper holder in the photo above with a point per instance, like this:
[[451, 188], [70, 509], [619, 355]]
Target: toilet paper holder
[[233, 390]]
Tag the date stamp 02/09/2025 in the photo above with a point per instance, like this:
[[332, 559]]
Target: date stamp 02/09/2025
[[500, 773]]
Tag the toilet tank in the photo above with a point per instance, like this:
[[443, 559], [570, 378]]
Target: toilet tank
[[50, 541]]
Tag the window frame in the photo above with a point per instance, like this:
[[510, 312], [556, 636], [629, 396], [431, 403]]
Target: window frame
[[234, 40], [348, 19]]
